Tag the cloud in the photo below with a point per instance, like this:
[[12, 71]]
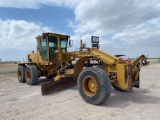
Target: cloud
[[112, 15], [35, 4], [144, 33], [126, 27], [143, 38], [19, 35], [20, 4]]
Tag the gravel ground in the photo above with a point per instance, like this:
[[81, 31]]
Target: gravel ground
[[19, 101]]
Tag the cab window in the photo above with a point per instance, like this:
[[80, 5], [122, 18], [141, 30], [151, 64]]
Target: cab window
[[52, 41], [64, 42], [42, 48], [43, 42]]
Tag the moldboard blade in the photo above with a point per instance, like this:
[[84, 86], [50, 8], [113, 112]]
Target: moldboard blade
[[50, 87]]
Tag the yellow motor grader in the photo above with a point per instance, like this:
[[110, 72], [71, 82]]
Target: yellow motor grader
[[93, 70]]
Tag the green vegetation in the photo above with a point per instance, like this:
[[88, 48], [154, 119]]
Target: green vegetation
[[7, 72]]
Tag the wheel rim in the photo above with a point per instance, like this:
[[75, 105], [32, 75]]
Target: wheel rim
[[90, 86], [19, 74], [28, 75]]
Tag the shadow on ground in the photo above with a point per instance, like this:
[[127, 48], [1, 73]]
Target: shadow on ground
[[118, 99], [124, 99]]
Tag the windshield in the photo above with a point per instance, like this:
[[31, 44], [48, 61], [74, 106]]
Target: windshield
[[52, 41], [64, 44]]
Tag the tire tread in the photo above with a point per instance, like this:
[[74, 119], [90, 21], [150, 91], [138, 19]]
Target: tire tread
[[34, 75], [106, 87]]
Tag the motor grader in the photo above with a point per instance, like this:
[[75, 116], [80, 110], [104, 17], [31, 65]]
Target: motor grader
[[93, 70]]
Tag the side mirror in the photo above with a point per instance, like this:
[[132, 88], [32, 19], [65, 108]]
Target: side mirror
[[70, 43]]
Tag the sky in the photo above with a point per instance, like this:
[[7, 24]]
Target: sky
[[129, 27]]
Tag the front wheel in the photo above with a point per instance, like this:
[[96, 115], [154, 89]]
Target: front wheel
[[94, 85]]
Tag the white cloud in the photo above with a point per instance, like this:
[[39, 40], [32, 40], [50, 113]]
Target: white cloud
[[145, 34], [141, 39], [19, 4], [128, 27], [35, 4], [113, 15], [19, 35]]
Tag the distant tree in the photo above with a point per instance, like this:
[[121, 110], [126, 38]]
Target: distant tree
[[0, 60]]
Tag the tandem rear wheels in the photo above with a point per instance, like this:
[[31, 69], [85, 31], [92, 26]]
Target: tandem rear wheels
[[21, 73], [94, 85], [27, 74]]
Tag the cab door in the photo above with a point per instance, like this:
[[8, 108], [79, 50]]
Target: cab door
[[42, 46], [53, 45]]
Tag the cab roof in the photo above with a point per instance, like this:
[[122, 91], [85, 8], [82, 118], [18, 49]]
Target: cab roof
[[51, 34]]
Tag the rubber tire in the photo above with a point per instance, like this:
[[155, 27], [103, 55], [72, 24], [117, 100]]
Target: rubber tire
[[33, 75], [103, 82], [22, 69], [117, 88]]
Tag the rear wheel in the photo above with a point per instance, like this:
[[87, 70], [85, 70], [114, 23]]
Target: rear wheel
[[21, 73], [31, 75], [94, 85]]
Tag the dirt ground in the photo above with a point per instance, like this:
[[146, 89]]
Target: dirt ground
[[4, 68], [23, 102]]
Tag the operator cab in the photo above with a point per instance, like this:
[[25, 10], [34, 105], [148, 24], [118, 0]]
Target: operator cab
[[48, 43]]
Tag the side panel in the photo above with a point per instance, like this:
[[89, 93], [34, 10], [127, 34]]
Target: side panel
[[105, 57], [33, 57], [79, 66], [122, 76]]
